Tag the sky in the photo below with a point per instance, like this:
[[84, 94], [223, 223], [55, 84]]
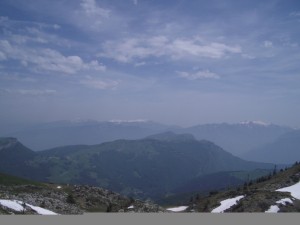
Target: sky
[[176, 62]]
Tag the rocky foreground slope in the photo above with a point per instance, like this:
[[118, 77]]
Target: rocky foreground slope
[[21, 197], [277, 192]]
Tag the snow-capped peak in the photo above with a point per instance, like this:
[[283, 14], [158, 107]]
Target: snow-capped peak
[[129, 121], [255, 122]]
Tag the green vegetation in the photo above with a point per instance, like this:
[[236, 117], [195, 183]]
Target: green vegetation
[[259, 194], [9, 180], [251, 175], [70, 199], [147, 168], [3, 212]]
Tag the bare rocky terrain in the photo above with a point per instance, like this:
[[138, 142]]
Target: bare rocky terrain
[[72, 199]]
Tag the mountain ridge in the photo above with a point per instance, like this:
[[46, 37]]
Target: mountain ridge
[[141, 168], [285, 149], [236, 137]]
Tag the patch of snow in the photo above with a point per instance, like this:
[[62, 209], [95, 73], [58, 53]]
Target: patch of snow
[[284, 201], [41, 211], [273, 209], [294, 190], [226, 204], [58, 187], [178, 209], [261, 123], [131, 207], [17, 206], [129, 121], [12, 204]]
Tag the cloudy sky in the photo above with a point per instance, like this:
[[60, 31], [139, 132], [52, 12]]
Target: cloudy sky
[[176, 62]]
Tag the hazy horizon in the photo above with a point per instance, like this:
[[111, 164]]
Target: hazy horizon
[[8, 128], [174, 62]]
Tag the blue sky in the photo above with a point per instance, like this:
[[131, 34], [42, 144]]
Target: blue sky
[[177, 62]]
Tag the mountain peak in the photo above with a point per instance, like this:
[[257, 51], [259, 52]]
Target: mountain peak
[[7, 142], [129, 121], [255, 122]]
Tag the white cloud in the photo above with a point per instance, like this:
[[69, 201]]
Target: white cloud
[[194, 48], [247, 56], [16, 77], [140, 64], [8, 23], [94, 14], [91, 9], [2, 56], [131, 49], [47, 60], [100, 84], [295, 14], [56, 26], [291, 44], [22, 39], [268, 44], [28, 32], [204, 74], [31, 92]]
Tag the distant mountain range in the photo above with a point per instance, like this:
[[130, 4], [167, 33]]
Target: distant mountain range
[[61, 133], [234, 138], [238, 138], [285, 149], [150, 167]]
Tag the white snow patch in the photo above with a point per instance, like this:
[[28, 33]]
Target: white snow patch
[[226, 204], [12, 204], [128, 121], [58, 187], [273, 209], [41, 211], [284, 201], [17, 206], [178, 209], [131, 207], [294, 190], [255, 122]]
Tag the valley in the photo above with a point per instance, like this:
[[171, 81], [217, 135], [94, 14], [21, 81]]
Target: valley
[[148, 174]]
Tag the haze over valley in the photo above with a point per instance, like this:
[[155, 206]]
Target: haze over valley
[[149, 106]]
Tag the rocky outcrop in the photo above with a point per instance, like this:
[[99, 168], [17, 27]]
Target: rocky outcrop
[[72, 199], [143, 207], [50, 199]]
